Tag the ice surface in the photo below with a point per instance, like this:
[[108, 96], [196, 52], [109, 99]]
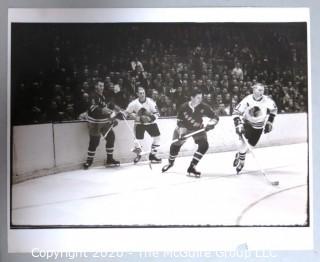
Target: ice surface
[[135, 195]]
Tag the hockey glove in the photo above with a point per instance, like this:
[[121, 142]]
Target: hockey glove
[[179, 123], [240, 129], [120, 116], [83, 116], [182, 131], [145, 119], [238, 125], [114, 123], [211, 124], [137, 118], [151, 116], [268, 127], [106, 111]]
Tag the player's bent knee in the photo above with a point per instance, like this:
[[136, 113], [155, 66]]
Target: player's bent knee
[[203, 146], [174, 149], [94, 142]]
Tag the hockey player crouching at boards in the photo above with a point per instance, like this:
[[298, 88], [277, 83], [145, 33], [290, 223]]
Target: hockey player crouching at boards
[[189, 119], [100, 123], [144, 112], [249, 118]]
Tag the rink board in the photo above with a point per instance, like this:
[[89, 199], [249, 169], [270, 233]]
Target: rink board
[[51, 148]]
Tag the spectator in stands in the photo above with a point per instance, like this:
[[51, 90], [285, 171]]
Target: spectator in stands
[[158, 82], [224, 72], [147, 84], [225, 81], [83, 104], [118, 97], [222, 110], [36, 115], [69, 113], [60, 103], [53, 114], [237, 72], [85, 87], [166, 108], [208, 99], [179, 97], [155, 95]]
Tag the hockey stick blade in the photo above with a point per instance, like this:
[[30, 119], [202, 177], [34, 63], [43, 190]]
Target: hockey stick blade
[[273, 183]]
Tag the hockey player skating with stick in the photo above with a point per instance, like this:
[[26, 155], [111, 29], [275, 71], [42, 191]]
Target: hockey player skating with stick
[[101, 123], [252, 116], [144, 111], [189, 120]]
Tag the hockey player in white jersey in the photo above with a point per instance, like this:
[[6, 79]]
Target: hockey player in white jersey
[[144, 111], [252, 116]]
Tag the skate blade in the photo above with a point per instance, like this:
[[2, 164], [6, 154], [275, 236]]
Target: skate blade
[[112, 165], [137, 159], [85, 167], [155, 162], [193, 175], [165, 168]]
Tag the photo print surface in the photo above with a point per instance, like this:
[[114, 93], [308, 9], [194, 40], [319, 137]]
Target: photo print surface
[[159, 124]]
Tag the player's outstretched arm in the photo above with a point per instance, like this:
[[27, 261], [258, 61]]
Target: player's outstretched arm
[[269, 124], [273, 110]]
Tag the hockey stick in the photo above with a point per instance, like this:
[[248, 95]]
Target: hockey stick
[[132, 133], [188, 135], [135, 140], [273, 183], [178, 139], [105, 135]]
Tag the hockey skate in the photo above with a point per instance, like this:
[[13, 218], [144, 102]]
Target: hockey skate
[[236, 159], [167, 167], [137, 150], [193, 172], [239, 167], [154, 159], [137, 159], [111, 162], [86, 165]]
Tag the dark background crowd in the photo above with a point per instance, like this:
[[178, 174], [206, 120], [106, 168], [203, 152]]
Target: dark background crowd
[[54, 66]]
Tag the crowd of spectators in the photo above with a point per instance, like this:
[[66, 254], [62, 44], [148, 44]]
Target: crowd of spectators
[[54, 67]]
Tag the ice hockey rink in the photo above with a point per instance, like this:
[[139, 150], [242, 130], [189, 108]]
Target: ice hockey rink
[[135, 195]]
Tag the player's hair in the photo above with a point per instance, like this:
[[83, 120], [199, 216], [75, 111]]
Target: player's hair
[[257, 85], [139, 88], [195, 91]]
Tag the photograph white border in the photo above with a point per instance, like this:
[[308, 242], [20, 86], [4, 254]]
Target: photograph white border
[[163, 239]]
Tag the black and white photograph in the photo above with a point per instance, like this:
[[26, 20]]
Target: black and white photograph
[[159, 124]]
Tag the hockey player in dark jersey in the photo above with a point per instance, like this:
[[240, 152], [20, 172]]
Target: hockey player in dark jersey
[[189, 119], [100, 122]]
